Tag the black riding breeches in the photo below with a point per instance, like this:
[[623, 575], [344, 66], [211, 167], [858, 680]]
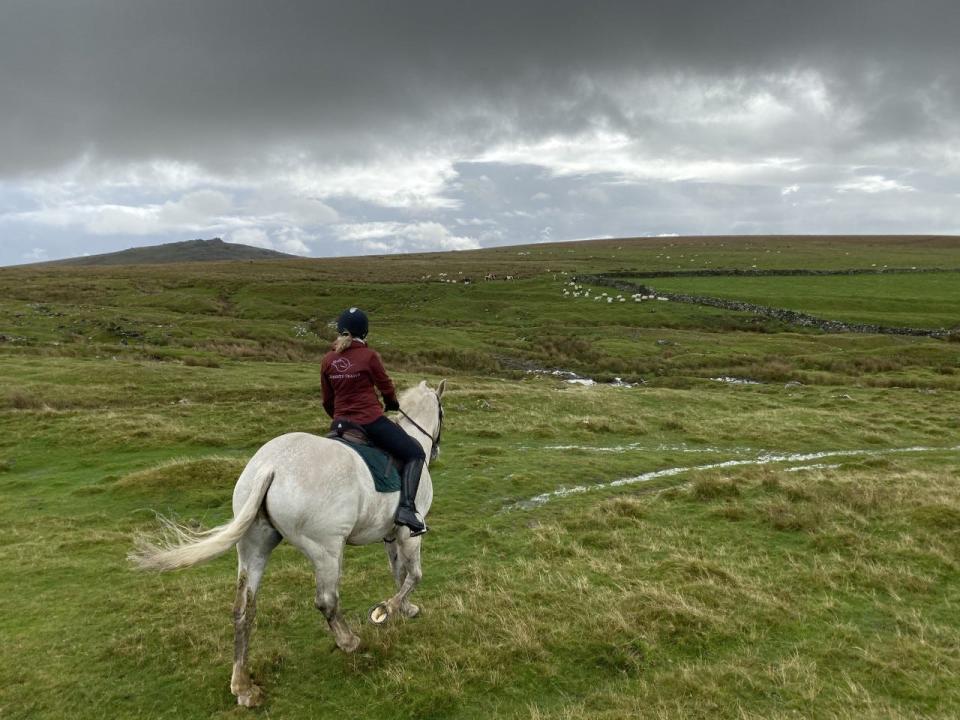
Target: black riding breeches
[[391, 437]]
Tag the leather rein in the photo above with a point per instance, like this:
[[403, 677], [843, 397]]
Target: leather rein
[[435, 441]]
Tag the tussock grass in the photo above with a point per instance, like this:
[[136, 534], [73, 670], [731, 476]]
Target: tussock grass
[[192, 361], [213, 471], [19, 400]]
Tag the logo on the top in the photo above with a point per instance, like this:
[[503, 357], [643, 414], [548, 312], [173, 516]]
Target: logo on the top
[[341, 364]]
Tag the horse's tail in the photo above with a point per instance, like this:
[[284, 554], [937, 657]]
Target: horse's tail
[[182, 547]]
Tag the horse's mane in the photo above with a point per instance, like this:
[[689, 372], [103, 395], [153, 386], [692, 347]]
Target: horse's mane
[[416, 394]]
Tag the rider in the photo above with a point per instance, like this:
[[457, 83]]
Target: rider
[[349, 373]]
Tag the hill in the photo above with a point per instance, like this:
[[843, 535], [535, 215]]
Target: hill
[[198, 250]]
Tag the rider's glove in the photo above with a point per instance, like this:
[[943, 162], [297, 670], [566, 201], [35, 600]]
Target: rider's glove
[[391, 404]]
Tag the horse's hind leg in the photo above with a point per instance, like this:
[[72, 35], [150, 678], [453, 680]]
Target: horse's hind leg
[[253, 551], [327, 559]]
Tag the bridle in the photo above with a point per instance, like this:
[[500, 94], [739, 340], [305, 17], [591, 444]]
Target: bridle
[[434, 441]]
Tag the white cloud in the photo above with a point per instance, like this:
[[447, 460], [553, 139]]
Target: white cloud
[[391, 180], [274, 206], [287, 239], [395, 237], [874, 184], [266, 217], [605, 152], [202, 208], [35, 255], [111, 219], [198, 211], [88, 177], [293, 240], [251, 236]]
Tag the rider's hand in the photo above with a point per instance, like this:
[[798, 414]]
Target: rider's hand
[[391, 404]]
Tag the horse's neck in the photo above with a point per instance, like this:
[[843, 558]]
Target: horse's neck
[[425, 442]]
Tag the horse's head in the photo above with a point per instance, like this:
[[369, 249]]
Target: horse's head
[[423, 408]]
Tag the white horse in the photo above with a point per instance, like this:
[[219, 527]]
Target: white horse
[[319, 495]]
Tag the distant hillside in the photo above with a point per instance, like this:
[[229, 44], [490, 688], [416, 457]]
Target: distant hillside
[[177, 252]]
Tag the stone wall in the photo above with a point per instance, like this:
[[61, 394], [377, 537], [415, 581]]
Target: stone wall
[[791, 317], [717, 272]]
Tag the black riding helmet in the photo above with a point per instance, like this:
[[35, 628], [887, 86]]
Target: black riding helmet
[[353, 321]]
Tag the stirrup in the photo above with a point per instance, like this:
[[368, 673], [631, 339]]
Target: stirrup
[[418, 533], [416, 525]]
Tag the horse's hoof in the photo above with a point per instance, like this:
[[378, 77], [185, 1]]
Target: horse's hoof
[[252, 697], [351, 645], [379, 614], [411, 611]]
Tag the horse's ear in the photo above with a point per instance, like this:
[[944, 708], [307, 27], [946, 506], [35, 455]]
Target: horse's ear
[[441, 387]]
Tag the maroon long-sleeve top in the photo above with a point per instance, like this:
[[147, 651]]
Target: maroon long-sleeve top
[[350, 380]]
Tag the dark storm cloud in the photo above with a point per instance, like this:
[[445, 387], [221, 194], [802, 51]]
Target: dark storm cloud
[[353, 127], [223, 82]]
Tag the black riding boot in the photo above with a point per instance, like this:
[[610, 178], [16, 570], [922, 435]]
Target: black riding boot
[[407, 511]]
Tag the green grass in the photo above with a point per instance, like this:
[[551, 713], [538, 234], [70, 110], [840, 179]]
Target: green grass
[[749, 590], [929, 300]]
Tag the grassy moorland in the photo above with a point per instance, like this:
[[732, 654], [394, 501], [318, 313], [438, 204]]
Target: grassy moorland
[[785, 549]]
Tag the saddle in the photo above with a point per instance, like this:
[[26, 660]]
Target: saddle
[[383, 466], [349, 432]]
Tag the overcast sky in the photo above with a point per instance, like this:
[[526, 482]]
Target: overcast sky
[[323, 128]]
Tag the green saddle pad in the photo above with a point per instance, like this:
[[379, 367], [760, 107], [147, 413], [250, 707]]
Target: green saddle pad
[[386, 478]]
